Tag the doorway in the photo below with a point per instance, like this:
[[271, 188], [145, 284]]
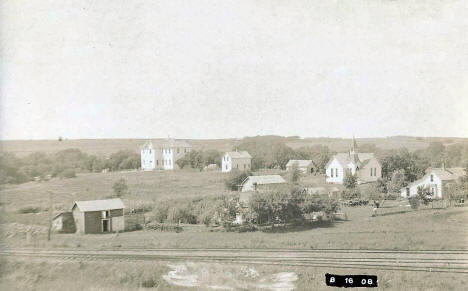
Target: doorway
[[105, 225]]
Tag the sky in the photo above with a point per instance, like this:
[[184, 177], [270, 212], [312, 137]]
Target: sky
[[223, 69]]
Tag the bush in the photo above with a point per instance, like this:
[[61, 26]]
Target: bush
[[29, 209], [236, 178], [67, 173], [414, 202], [350, 181], [164, 227], [120, 187], [353, 193]]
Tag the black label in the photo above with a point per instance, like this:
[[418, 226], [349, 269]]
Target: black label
[[351, 280]]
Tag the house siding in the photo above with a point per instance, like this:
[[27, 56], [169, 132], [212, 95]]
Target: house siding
[[334, 165], [228, 163]]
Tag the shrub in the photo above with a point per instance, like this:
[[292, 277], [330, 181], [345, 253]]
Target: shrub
[[350, 181], [120, 187], [29, 209], [352, 193], [236, 178], [67, 173], [414, 202]]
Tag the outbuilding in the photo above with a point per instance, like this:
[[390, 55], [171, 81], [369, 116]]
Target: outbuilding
[[99, 216], [63, 223], [306, 166], [253, 183]]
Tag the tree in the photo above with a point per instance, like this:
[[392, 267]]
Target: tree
[[236, 178], [120, 187], [350, 181], [295, 174], [398, 181], [424, 195]]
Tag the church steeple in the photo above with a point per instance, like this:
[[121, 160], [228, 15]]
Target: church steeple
[[354, 147], [353, 153]]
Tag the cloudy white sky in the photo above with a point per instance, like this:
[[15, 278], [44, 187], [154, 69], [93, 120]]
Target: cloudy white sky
[[217, 69]]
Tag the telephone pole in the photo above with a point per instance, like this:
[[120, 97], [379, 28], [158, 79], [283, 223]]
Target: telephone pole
[[50, 216]]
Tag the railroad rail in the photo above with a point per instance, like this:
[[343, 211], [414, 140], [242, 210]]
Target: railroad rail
[[446, 261]]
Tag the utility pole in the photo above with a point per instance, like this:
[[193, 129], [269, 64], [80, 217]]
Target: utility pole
[[50, 216]]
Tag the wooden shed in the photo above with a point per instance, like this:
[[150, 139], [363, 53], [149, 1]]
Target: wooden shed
[[99, 216], [63, 223]]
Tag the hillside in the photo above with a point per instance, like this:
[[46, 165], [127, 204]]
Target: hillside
[[108, 146]]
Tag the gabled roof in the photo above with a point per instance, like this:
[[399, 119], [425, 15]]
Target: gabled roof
[[266, 179], [447, 174], [300, 163], [165, 143], [344, 158], [98, 205], [239, 155]]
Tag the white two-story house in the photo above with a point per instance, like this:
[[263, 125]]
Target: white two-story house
[[162, 154], [364, 166], [240, 160]]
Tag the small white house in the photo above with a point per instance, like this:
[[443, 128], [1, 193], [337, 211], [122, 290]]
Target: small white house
[[252, 183], [435, 179], [364, 166], [236, 160]]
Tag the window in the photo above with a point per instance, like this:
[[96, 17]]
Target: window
[[331, 172], [105, 214], [336, 172], [432, 178], [178, 150], [244, 166], [185, 150], [237, 166], [150, 151], [157, 162]]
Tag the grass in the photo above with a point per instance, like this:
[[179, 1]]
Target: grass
[[145, 188], [38, 274], [423, 229]]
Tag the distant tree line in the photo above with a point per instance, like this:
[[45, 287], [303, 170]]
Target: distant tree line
[[199, 159], [62, 164], [273, 152]]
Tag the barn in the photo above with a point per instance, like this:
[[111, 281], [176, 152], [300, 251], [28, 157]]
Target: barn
[[99, 216]]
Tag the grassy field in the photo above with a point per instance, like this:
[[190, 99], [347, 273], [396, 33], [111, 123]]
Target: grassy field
[[423, 229], [144, 188], [38, 274], [108, 146]]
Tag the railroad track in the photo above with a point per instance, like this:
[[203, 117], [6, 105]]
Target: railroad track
[[450, 261]]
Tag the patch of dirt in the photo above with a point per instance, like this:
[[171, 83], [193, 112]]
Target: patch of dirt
[[246, 278]]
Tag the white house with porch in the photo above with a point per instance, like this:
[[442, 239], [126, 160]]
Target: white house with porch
[[435, 179]]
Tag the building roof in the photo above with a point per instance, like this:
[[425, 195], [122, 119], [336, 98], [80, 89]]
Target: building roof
[[300, 163], [266, 179], [345, 158], [239, 155], [447, 174], [98, 205], [165, 143]]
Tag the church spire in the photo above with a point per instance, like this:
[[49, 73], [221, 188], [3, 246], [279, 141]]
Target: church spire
[[354, 147]]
